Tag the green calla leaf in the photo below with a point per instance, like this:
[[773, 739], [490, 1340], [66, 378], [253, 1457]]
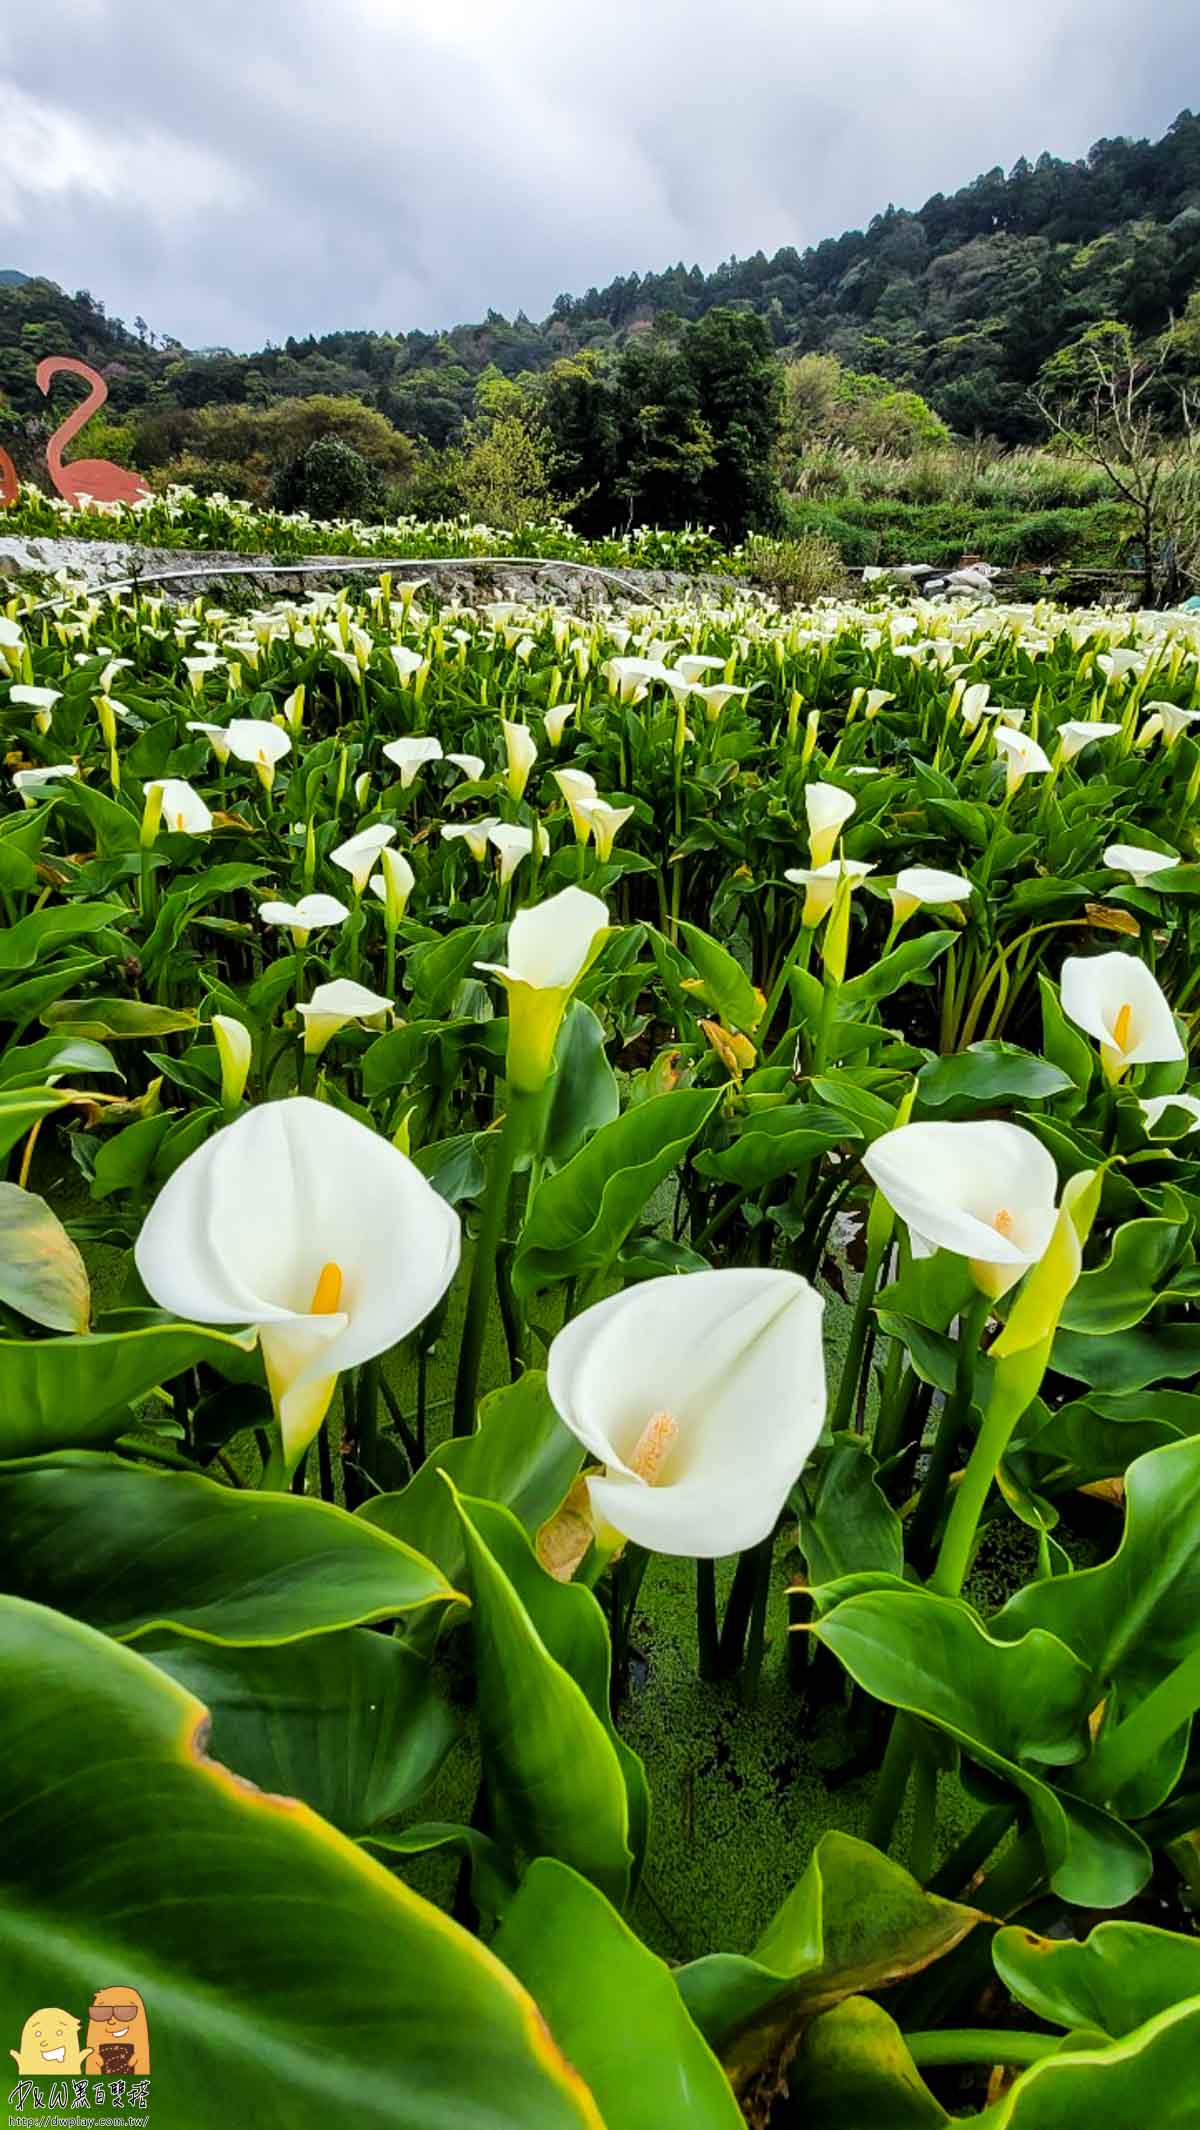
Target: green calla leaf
[[1120, 1976], [847, 1523], [1017, 1707], [352, 1724], [854, 2072], [583, 1091], [520, 1455], [241, 1900], [613, 2006], [133, 1552], [42, 1275], [556, 1782], [987, 1073], [64, 1393], [579, 1219], [814, 1953], [1123, 1290]]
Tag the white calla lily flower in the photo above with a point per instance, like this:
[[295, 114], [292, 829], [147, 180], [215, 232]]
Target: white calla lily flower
[[985, 1191], [183, 811], [1154, 1108], [30, 781], [606, 822], [474, 834], [820, 884], [1167, 719], [974, 703], [827, 811], [695, 663], [409, 756], [555, 721], [550, 948], [520, 748], [715, 698], [1022, 757], [1077, 733], [357, 854], [472, 765], [394, 884], [918, 886], [40, 700], [334, 1005], [311, 914], [216, 737], [631, 678], [235, 1048], [406, 661], [513, 843], [1138, 861], [703, 1397], [1118, 1000], [254, 740], [300, 1221], [579, 791]]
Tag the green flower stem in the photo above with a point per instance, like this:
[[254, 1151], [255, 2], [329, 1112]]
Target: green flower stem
[[1144, 1732], [990, 1444], [890, 1791], [707, 1638], [879, 1238], [969, 1855], [795, 958], [950, 1426], [985, 2045], [510, 1141], [924, 1830], [751, 1574]]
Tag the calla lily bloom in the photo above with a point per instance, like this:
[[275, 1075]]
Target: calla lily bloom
[[473, 833], [358, 854], [827, 810], [406, 661], [1117, 999], [820, 884], [550, 949], [311, 914], [215, 735], [695, 663], [335, 1005], [183, 812], [394, 884], [521, 750], [715, 698], [1140, 862], [1022, 758], [300, 1221], [40, 700], [409, 756], [235, 1048], [1077, 733], [921, 885], [579, 791], [974, 703], [30, 781], [513, 843], [252, 739], [630, 678], [1168, 719], [702, 1397], [985, 1191], [606, 824], [555, 721], [1155, 1108], [472, 765]]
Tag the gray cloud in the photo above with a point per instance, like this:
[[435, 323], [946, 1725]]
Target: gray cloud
[[238, 170]]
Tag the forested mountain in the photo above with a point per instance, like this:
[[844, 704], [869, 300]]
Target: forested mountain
[[962, 300]]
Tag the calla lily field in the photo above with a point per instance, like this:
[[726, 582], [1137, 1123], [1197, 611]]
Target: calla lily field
[[598, 1343]]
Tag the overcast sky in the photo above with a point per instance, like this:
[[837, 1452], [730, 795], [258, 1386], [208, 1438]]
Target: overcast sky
[[235, 170]]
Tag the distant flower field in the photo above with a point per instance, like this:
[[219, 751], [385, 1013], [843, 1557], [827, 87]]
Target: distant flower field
[[502, 1108]]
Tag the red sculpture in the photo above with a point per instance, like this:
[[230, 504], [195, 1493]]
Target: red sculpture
[[9, 485], [84, 480]]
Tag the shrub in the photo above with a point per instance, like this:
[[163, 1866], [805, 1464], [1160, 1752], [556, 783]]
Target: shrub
[[330, 480], [795, 571]]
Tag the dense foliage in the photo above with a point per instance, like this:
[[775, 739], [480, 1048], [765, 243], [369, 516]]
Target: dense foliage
[[681, 397], [743, 1058]]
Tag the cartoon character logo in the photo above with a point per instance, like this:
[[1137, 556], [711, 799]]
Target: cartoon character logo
[[118, 2037], [50, 2044]]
